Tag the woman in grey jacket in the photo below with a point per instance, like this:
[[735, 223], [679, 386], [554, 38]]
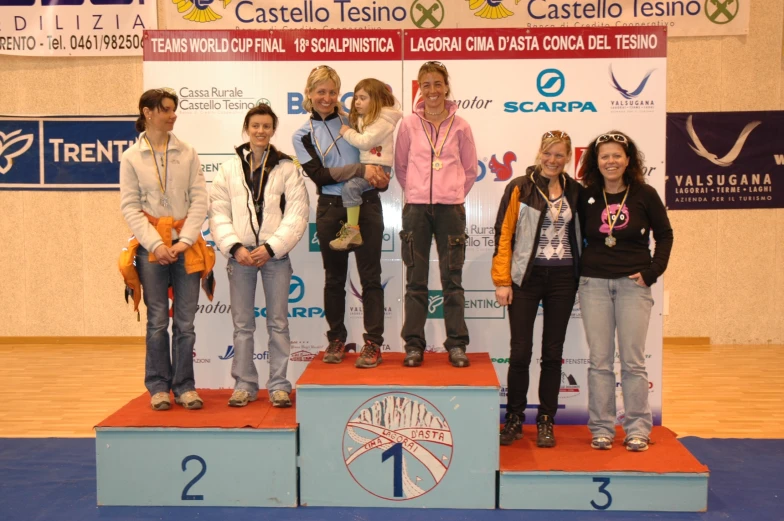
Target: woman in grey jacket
[[161, 181], [258, 213], [536, 260]]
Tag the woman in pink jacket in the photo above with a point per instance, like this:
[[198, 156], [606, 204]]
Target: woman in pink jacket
[[435, 163]]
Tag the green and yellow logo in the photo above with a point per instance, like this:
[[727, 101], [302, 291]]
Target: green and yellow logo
[[427, 14], [720, 12]]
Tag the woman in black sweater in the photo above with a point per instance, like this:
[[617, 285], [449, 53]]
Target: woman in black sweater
[[619, 212]]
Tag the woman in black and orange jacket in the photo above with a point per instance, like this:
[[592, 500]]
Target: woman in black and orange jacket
[[536, 259]]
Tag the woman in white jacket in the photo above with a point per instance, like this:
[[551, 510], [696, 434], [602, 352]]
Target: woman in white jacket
[[258, 213]]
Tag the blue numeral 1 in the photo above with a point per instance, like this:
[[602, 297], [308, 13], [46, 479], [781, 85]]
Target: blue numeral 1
[[396, 452]]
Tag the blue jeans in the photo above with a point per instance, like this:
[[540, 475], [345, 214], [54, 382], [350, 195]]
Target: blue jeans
[[607, 305], [163, 373], [276, 279], [352, 190]]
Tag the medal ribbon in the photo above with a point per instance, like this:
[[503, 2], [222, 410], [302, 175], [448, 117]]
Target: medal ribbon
[[550, 204], [430, 140], [161, 182], [261, 181], [315, 139], [611, 222]]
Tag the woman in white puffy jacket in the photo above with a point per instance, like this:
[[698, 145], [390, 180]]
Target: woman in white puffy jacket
[[258, 213]]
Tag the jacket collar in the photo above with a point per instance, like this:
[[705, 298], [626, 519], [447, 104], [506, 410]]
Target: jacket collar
[[243, 151], [315, 115], [449, 105], [174, 143]]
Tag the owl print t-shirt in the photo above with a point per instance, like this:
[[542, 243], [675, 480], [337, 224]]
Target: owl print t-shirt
[[642, 213]]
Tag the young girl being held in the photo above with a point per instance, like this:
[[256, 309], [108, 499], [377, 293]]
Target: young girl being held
[[374, 115]]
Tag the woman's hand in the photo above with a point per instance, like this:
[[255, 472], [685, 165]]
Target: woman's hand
[[637, 278], [260, 256], [503, 295], [242, 255], [178, 248], [376, 176], [343, 129], [164, 255]]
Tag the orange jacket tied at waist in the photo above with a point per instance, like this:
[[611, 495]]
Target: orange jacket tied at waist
[[198, 258]]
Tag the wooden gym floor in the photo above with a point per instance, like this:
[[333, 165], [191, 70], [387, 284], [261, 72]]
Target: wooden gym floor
[[64, 390]]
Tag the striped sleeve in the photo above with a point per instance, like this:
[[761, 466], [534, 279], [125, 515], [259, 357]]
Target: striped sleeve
[[505, 225]]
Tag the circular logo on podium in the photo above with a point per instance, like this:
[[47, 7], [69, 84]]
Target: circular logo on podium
[[397, 446]]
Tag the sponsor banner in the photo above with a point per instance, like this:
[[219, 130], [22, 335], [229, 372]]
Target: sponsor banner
[[67, 153], [584, 92], [680, 17], [725, 160], [60, 28]]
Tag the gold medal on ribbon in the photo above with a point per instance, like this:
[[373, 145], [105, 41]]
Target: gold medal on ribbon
[[437, 163], [611, 241]]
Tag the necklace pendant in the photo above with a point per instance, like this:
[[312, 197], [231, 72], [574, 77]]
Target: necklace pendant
[[610, 241], [437, 164], [257, 206], [165, 201]]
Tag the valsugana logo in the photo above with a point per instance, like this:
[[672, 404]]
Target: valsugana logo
[[406, 429], [13, 145], [636, 92], [427, 17], [491, 9], [731, 156], [718, 12], [357, 292], [200, 11]]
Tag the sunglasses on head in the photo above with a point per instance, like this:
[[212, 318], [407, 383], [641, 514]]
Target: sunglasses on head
[[322, 67], [555, 134], [437, 64], [604, 138], [166, 90]]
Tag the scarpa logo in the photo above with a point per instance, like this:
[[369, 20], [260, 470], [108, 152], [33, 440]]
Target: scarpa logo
[[627, 93], [296, 289], [720, 12], [491, 9], [200, 11], [550, 83], [734, 152], [296, 294], [13, 145]]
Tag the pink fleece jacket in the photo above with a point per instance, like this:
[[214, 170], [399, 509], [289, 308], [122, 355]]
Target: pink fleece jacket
[[421, 183]]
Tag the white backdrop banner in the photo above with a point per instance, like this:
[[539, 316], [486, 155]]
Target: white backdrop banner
[[680, 17], [512, 85], [75, 27]]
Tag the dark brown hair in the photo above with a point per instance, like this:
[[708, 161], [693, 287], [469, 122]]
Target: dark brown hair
[[589, 163], [153, 99], [262, 109]]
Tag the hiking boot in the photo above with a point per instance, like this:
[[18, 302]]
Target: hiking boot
[[458, 358], [370, 356], [544, 431], [413, 357], [636, 444], [189, 400], [348, 238], [335, 351], [601, 443], [513, 429], [280, 399], [240, 398], [160, 402]]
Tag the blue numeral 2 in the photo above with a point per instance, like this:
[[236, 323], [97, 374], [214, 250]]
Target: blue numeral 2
[[185, 496]]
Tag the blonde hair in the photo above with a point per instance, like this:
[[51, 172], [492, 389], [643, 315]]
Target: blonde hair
[[550, 138], [438, 67], [380, 97], [317, 76]]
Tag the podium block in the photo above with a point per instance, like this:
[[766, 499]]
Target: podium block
[[216, 456], [573, 476], [394, 436]]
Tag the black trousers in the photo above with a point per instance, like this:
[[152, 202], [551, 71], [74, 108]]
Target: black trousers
[[421, 222], [555, 288], [329, 214]]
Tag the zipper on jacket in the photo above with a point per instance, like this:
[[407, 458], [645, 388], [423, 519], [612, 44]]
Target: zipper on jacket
[[251, 210]]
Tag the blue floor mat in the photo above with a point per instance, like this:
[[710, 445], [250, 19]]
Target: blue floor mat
[[54, 480]]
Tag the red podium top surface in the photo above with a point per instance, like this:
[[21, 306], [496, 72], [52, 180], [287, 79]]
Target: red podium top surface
[[216, 414], [435, 371]]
